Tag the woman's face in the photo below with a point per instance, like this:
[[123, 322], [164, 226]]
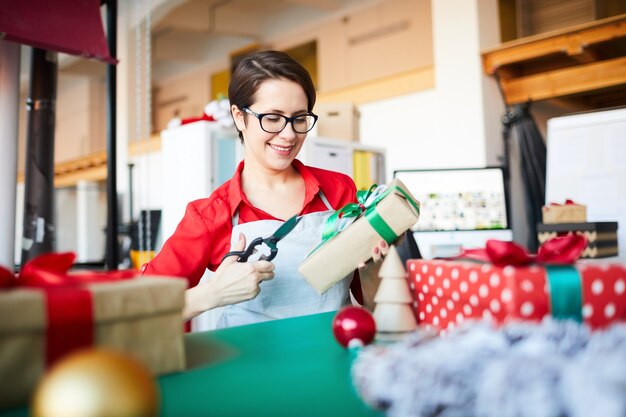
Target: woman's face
[[272, 151]]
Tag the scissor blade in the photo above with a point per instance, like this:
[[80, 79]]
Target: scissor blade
[[286, 227]]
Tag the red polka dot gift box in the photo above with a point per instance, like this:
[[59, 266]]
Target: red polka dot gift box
[[502, 282]]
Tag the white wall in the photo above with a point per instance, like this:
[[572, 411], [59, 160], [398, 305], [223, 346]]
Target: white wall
[[91, 220], [586, 163], [66, 216], [456, 124], [147, 182]]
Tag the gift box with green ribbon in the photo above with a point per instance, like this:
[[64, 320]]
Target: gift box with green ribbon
[[48, 312], [350, 234], [502, 282]]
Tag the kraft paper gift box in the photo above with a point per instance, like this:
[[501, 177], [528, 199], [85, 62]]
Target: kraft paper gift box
[[139, 316], [449, 292], [569, 212], [388, 216]]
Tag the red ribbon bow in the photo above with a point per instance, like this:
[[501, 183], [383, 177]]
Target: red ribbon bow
[[69, 309], [50, 270], [561, 250], [204, 117], [568, 202]]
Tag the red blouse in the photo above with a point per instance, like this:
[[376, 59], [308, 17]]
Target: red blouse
[[202, 237]]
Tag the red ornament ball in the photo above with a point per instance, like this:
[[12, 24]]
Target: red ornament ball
[[354, 325]]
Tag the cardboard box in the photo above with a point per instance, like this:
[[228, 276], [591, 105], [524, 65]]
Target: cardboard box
[[601, 237], [566, 213], [341, 255], [450, 292], [337, 121], [141, 317]]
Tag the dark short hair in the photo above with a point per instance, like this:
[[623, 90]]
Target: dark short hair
[[261, 66]]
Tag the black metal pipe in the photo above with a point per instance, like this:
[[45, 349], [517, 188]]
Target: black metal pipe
[[507, 122], [130, 192], [112, 245], [38, 225]]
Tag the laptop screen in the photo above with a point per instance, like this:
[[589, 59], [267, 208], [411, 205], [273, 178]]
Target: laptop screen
[[458, 199]]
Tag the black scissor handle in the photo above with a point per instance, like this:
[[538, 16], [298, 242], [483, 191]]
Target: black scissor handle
[[273, 251], [244, 255]]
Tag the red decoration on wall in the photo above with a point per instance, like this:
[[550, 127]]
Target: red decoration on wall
[[70, 26]]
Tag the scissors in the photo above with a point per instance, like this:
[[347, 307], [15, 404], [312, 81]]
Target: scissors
[[270, 242]]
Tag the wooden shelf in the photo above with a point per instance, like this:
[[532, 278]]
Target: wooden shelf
[[89, 168], [583, 61], [93, 167], [139, 147]]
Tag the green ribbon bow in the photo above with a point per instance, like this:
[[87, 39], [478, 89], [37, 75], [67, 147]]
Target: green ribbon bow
[[332, 225], [366, 205]]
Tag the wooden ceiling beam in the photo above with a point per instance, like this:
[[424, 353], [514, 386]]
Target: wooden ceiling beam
[[587, 56], [70, 179], [571, 42], [93, 167], [88, 168], [563, 82]]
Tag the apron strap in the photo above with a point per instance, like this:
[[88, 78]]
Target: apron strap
[[235, 218], [325, 200]]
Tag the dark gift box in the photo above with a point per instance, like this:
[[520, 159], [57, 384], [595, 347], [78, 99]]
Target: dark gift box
[[601, 236]]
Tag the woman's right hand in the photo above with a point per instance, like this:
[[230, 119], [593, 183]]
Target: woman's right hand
[[239, 281], [233, 282]]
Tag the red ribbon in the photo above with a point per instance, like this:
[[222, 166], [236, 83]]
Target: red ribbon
[[204, 117], [68, 305], [7, 279], [561, 250], [568, 202]]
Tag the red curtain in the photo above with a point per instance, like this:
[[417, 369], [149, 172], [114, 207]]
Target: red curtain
[[70, 26]]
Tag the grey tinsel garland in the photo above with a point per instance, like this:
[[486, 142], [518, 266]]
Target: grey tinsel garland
[[551, 369]]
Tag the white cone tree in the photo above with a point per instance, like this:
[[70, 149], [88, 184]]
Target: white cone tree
[[393, 313]]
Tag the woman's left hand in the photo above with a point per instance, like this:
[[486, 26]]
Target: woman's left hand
[[378, 254], [368, 273]]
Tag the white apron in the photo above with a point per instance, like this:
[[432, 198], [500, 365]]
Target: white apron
[[288, 294]]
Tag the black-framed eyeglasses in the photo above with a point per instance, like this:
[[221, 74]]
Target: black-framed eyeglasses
[[275, 123]]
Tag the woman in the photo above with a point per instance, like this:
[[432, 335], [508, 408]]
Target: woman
[[272, 98]]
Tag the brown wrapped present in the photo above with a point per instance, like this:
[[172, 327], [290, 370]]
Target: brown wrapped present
[[569, 212], [139, 316], [387, 216]]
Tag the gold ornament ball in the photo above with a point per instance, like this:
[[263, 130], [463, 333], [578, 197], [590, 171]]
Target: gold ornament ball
[[96, 383]]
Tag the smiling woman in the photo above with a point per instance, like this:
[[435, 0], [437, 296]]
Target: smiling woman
[[277, 101], [271, 98]]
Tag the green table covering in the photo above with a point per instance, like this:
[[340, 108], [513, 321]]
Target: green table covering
[[291, 367]]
